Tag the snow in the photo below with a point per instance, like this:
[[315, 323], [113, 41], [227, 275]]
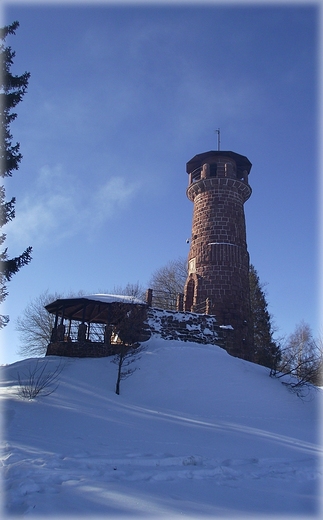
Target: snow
[[229, 327], [194, 433], [109, 298]]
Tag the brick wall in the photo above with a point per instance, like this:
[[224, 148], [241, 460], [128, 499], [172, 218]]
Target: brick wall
[[218, 256]]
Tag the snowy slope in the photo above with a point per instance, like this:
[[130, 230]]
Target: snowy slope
[[194, 432]]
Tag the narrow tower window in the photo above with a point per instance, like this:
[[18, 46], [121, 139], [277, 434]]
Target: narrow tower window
[[213, 169]]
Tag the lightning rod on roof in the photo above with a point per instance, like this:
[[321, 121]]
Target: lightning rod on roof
[[218, 132]]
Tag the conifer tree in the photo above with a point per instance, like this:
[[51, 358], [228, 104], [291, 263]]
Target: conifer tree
[[12, 90], [266, 351]]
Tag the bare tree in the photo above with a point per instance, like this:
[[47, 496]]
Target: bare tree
[[301, 359], [128, 328], [131, 289], [35, 325], [127, 355], [167, 282]]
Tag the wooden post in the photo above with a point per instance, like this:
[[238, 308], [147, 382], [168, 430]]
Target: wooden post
[[149, 297], [180, 302]]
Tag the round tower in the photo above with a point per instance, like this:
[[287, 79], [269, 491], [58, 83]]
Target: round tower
[[218, 260]]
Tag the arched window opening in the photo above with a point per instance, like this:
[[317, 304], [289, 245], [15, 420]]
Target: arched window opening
[[190, 288]]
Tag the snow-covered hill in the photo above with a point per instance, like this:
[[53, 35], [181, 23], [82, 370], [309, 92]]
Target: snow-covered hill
[[194, 432]]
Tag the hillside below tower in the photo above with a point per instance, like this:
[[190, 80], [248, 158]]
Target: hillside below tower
[[218, 260]]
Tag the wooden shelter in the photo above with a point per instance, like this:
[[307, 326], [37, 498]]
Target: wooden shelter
[[92, 326]]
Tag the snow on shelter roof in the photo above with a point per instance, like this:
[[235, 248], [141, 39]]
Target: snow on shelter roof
[[94, 308], [110, 298]]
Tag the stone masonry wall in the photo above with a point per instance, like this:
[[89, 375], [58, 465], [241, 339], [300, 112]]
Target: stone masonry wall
[[80, 350], [185, 326]]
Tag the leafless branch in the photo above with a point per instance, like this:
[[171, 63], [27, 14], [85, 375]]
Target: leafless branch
[[39, 380]]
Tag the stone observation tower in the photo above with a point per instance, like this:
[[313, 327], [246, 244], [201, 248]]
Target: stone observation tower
[[218, 260]]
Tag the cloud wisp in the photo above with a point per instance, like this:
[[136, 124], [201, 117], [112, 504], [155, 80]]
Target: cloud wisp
[[59, 206]]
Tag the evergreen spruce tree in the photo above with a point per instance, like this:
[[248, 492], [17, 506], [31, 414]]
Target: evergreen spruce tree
[[12, 90], [266, 351]]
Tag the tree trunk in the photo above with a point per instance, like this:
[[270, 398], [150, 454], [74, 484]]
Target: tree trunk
[[121, 356]]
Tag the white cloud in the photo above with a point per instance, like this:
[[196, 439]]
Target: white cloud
[[50, 176], [113, 195], [59, 206]]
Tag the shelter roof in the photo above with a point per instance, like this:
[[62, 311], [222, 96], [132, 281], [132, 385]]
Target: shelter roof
[[94, 308]]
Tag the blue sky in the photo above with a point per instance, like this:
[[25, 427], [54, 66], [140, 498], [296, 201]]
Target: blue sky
[[120, 98]]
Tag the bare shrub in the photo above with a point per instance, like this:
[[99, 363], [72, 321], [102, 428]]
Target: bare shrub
[[39, 380]]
